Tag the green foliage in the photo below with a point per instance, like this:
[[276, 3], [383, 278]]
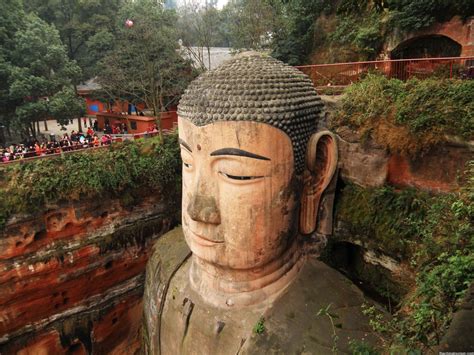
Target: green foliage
[[349, 30], [11, 20], [66, 105], [362, 348], [362, 33], [325, 312], [122, 171], [250, 23], [259, 327], [203, 26], [440, 285], [433, 233], [390, 218], [409, 117], [144, 66], [86, 27], [297, 32], [40, 76], [411, 15], [426, 314], [429, 104]]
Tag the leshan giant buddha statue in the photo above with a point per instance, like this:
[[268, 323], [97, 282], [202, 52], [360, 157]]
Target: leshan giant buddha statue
[[254, 170]]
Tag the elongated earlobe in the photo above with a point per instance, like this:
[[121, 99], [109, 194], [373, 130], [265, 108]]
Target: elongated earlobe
[[321, 163]]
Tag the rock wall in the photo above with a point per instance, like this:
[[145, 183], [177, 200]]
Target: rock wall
[[457, 29], [366, 164], [71, 278]]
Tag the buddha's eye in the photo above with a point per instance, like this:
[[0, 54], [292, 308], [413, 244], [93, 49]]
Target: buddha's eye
[[240, 178], [187, 165]]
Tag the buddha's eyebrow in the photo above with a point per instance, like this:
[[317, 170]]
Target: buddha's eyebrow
[[238, 152], [185, 145]]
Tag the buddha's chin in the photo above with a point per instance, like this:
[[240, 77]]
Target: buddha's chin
[[220, 256]]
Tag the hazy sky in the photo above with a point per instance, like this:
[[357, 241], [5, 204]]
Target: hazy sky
[[220, 3]]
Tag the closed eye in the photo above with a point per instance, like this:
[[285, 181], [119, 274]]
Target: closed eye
[[237, 177]]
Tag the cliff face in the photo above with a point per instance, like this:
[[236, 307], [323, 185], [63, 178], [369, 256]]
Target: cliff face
[[440, 170], [71, 278]]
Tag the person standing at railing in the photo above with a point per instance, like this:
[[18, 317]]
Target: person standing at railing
[[95, 141], [37, 149]]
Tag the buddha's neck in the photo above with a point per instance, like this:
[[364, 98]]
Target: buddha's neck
[[225, 288]]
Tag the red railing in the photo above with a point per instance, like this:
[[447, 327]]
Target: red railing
[[57, 152], [344, 74]]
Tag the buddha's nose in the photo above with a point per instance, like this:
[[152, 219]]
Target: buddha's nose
[[204, 209]]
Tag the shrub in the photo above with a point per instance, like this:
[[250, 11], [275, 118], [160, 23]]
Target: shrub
[[259, 327], [432, 232], [408, 118], [122, 170]]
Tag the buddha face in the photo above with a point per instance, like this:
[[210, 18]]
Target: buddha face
[[239, 208]]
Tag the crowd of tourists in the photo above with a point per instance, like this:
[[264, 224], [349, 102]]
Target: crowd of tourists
[[68, 142]]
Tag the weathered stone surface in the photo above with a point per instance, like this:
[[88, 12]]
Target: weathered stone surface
[[364, 166], [118, 331], [77, 271], [110, 329], [293, 327], [438, 170], [369, 165], [460, 335], [457, 29], [45, 343], [169, 253], [188, 324]]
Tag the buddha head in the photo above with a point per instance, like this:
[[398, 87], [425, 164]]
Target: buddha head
[[254, 167]]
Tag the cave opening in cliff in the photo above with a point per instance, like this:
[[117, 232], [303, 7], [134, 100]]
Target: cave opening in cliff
[[431, 46], [373, 280]]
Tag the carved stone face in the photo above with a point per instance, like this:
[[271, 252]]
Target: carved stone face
[[239, 207]]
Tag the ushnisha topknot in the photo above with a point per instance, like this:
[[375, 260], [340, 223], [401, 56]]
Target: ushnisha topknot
[[256, 87]]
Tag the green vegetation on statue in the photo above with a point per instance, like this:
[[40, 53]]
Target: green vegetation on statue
[[259, 327], [124, 171]]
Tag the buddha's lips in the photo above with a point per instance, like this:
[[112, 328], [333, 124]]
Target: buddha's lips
[[199, 239]]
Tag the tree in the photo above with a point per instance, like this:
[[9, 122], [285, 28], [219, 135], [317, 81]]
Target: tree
[[42, 74], [145, 66], [86, 27], [199, 29], [251, 23], [296, 34], [414, 15], [11, 20]]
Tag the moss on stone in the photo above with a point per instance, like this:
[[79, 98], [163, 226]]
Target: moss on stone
[[382, 218]]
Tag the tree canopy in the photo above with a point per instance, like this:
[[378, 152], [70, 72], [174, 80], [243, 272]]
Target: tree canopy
[[144, 65], [41, 74], [86, 27], [35, 71]]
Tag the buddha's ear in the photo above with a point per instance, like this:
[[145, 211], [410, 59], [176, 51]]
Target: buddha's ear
[[321, 163]]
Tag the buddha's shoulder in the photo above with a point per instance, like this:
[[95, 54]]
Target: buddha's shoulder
[[319, 303], [168, 253]]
